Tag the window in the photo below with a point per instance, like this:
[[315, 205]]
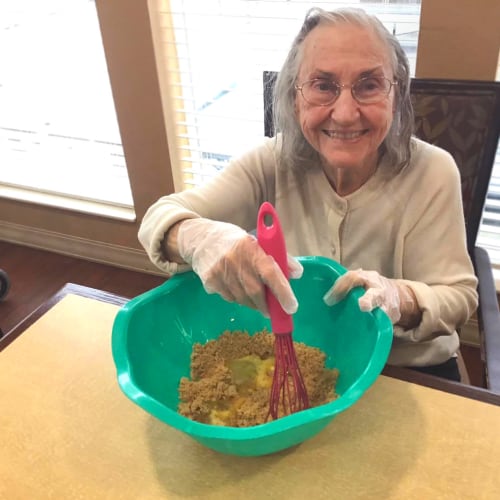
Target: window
[[489, 231], [100, 231], [58, 128], [216, 52]]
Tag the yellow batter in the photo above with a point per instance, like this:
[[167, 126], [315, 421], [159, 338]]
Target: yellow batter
[[248, 373]]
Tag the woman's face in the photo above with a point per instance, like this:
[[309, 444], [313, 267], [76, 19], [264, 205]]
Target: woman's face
[[346, 134]]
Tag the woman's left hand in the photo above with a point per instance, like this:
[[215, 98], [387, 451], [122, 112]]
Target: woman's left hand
[[396, 299]]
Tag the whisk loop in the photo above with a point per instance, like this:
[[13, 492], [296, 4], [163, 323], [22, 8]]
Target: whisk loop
[[288, 391]]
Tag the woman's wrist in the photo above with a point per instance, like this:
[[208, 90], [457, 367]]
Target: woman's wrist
[[169, 246], [411, 314]]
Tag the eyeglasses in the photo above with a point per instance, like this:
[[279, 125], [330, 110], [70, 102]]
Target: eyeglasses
[[323, 92]]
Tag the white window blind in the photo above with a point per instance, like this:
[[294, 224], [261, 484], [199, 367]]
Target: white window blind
[[489, 231], [58, 129], [215, 53]]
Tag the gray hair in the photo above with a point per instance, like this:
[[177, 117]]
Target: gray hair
[[297, 152]]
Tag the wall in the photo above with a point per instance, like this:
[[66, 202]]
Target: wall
[[459, 39]]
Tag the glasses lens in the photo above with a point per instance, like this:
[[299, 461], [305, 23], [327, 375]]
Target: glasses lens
[[320, 92], [371, 89]]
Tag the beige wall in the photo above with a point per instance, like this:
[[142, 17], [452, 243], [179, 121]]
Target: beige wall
[[128, 42], [459, 39]]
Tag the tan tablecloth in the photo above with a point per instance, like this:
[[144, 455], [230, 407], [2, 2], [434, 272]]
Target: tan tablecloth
[[68, 432]]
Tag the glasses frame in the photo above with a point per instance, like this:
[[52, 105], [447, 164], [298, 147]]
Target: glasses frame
[[342, 86]]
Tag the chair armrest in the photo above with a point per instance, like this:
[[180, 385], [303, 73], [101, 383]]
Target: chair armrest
[[488, 317]]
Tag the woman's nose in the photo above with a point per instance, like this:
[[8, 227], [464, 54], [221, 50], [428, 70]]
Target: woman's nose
[[345, 108]]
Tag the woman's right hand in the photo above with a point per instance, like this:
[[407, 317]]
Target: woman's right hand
[[230, 262]]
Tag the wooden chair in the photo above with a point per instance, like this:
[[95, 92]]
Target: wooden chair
[[4, 284], [4, 289], [462, 117]]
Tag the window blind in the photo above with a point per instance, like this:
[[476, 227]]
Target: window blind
[[215, 53], [59, 133], [489, 231]]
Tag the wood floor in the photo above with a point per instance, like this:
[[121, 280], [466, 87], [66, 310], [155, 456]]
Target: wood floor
[[35, 275]]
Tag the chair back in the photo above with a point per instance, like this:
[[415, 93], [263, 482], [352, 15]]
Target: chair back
[[460, 116]]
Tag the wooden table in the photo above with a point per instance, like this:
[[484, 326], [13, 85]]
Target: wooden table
[[68, 432]]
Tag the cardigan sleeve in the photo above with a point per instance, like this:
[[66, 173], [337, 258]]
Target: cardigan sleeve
[[234, 196], [436, 263]]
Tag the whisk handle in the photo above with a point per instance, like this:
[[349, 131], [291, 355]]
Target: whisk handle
[[271, 239]]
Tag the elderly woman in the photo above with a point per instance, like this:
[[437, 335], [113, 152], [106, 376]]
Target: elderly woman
[[349, 182]]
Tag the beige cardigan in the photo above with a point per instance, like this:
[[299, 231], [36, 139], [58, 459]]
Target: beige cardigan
[[409, 227]]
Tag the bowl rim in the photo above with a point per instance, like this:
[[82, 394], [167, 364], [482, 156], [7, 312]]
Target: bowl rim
[[201, 430]]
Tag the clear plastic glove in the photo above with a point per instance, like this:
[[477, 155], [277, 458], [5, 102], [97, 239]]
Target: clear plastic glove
[[392, 297], [230, 262]]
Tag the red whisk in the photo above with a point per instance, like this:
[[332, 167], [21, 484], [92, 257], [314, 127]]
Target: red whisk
[[288, 391]]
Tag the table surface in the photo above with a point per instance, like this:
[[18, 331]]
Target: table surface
[[69, 432]]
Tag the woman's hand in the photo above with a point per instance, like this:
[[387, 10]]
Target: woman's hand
[[393, 297], [230, 262]]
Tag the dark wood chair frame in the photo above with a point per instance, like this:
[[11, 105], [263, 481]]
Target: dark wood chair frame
[[4, 284]]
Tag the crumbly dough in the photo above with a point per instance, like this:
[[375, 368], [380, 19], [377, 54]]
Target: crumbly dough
[[228, 385]]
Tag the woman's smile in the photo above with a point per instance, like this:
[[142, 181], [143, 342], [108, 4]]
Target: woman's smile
[[344, 135]]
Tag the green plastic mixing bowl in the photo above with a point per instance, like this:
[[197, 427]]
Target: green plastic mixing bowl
[[154, 333]]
